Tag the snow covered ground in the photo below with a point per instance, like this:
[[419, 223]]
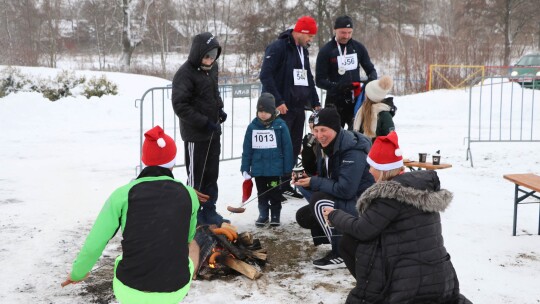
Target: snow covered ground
[[60, 160]]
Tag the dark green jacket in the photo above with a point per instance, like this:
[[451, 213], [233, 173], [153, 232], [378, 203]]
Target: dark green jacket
[[158, 217], [382, 121]]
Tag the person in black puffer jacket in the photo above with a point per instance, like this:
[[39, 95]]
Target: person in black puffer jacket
[[198, 104], [395, 248]]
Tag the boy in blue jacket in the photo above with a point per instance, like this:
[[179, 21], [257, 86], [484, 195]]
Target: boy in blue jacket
[[267, 155]]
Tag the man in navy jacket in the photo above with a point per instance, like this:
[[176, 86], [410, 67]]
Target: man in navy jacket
[[286, 74], [338, 69]]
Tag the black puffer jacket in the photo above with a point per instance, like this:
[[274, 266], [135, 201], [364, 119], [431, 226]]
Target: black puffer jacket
[[401, 256], [326, 71], [195, 93]]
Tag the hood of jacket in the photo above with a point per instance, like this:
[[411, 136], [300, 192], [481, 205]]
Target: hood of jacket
[[202, 43], [286, 35], [420, 189], [347, 140]]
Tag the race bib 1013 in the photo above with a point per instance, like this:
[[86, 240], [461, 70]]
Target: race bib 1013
[[263, 139]]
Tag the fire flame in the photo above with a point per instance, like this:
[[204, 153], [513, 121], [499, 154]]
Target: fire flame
[[212, 259]]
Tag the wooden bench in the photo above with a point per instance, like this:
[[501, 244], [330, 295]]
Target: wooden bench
[[529, 181], [414, 165]]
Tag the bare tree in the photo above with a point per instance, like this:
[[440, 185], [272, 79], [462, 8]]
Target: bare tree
[[51, 17], [20, 32], [133, 27], [512, 17], [103, 25], [158, 23]]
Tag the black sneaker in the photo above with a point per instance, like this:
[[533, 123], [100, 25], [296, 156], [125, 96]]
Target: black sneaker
[[330, 261], [283, 198], [290, 192]]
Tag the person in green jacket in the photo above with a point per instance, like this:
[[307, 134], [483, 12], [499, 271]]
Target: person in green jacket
[[158, 217], [374, 118]]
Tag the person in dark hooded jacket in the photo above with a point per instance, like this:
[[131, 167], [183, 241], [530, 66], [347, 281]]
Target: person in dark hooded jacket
[[395, 248], [343, 175], [198, 104], [286, 74]]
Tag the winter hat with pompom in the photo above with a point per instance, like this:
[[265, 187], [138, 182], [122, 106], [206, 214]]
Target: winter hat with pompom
[[158, 149], [376, 90], [385, 154]]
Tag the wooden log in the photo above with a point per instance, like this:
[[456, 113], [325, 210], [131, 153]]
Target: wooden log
[[223, 241], [262, 250], [257, 255], [240, 266], [246, 238]]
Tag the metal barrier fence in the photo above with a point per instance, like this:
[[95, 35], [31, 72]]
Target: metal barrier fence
[[502, 111], [240, 100]]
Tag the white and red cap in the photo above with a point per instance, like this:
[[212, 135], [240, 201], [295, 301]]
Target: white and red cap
[[385, 154], [158, 149], [306, 25]]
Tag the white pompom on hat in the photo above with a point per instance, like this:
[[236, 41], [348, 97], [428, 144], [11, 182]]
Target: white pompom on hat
[[158, 149], [385, 154], [377, 90]]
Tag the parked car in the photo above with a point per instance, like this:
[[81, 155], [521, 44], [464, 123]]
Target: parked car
[[526, 71]]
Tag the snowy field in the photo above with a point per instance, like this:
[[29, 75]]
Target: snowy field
[[59, 161]]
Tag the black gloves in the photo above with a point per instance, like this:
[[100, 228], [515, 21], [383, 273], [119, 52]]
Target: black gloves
[[211, 126], [372, 76], [345, 87], [222, 116]]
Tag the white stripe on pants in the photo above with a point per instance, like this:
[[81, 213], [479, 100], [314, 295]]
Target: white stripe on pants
[[191, 176], [318, 209]]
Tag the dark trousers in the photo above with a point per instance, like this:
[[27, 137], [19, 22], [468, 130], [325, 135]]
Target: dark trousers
[[345, 108], [346, 115], [311, 217], [202, 166], [271, 200], [295, 119], [347, 249]]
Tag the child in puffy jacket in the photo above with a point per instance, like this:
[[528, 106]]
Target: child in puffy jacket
[[267, 155]]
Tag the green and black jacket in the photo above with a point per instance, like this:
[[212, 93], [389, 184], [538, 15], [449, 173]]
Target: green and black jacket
[[158, 217]]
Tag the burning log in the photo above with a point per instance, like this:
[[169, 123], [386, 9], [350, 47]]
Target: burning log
[[240, 266], [222, 249]]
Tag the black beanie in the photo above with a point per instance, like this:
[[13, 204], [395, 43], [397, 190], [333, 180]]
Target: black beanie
[[266, 103], [328, 117], [343, 22]]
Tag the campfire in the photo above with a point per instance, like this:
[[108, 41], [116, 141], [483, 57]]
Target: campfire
[[223, 251]]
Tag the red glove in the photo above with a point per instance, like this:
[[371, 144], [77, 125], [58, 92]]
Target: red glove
[[357, 89], [247, 186]]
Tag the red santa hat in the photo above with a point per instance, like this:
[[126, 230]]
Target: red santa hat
[[158, 149], [385, 154], [306, 25]]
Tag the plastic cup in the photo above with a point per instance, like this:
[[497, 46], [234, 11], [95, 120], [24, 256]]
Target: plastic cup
[[298, 173], [436, 159], [422, 157]]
